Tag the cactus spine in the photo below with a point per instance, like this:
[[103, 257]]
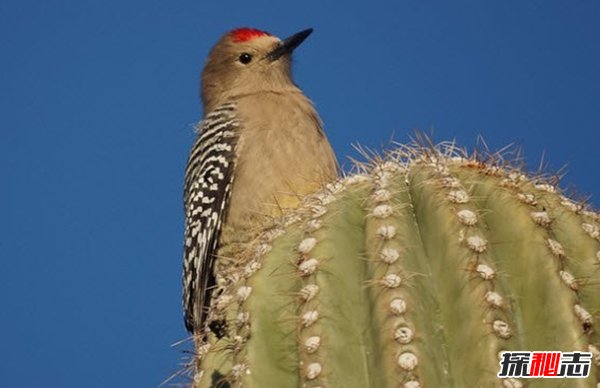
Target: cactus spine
[[416, 271]]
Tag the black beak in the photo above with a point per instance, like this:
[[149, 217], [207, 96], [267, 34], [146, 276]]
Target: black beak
[[288, 45]]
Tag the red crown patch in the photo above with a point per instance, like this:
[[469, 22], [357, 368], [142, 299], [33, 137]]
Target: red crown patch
[[245, 34]]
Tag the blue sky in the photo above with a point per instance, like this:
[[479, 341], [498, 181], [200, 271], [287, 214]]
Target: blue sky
[[98, 100]]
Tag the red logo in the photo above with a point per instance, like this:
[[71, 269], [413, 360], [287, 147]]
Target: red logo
[[545, 364]]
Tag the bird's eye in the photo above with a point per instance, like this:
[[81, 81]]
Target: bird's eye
[[245, 58]]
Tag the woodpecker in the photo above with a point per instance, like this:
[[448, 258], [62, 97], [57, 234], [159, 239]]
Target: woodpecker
[[259, 148]]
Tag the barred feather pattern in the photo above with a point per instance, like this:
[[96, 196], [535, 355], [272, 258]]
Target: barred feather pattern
[[208, 181]]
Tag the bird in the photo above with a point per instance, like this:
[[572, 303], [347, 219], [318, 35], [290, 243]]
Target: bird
[[260, 147]]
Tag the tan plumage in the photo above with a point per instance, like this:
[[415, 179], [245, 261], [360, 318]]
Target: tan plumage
[[283, 154], [280, 151]]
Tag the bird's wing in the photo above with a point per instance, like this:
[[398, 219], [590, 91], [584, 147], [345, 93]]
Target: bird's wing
[[208, 183]]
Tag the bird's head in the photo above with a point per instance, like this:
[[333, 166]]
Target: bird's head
[[246, 61]]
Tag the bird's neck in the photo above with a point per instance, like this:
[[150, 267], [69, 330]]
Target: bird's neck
[[287, 91]]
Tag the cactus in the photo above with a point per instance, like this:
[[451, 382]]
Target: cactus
[[417, 271]]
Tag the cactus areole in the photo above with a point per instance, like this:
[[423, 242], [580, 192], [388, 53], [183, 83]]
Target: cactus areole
[[417, 271]]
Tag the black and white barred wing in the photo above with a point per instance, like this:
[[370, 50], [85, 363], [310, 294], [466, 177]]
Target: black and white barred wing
[[208, 181]]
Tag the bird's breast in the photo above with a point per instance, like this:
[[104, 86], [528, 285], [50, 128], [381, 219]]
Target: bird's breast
[[282, 155]]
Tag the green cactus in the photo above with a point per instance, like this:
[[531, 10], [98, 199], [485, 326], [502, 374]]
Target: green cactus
[[415, 272]]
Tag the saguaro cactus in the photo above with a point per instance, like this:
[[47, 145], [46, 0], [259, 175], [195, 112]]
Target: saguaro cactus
[[416, 271]]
